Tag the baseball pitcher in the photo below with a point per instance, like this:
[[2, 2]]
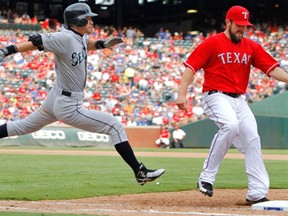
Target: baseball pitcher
[[226, 59]]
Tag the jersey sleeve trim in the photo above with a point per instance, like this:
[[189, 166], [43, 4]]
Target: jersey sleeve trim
[[189, 66], [272, 68]]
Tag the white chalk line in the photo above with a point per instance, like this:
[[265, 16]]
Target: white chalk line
[[151, 211]]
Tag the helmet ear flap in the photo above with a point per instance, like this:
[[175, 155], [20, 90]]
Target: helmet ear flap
[[81, 22]]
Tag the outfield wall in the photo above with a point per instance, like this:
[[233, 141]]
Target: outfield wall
[[272, 130], [65, 136]]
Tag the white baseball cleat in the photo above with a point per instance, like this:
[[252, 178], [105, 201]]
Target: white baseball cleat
[[205, 187], [145, 175]]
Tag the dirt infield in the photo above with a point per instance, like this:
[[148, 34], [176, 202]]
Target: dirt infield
[[224, 202]]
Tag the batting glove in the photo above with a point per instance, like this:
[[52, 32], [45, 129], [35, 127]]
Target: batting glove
[[7, 51], [2, 54]]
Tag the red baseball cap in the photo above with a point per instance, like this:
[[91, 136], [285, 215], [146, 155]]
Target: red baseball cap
[[239, 15]]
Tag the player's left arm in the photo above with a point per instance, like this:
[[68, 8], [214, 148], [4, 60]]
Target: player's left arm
[[102, 44], [279, 74]]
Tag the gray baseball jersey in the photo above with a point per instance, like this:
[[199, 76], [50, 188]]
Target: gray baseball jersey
[[70, 52], [64, 101]]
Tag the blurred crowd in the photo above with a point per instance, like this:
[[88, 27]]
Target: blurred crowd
[[10, 16], [136, 81]]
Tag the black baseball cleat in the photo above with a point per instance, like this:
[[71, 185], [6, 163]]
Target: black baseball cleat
[[250, 202], [205, 188], [145, 175]]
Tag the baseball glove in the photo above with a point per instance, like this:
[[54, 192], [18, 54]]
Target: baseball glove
[[112, 42]]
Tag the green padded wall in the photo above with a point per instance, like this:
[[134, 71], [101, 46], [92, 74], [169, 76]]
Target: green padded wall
[[272, 118]]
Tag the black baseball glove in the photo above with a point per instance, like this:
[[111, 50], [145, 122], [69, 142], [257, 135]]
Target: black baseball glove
[[110, 42]]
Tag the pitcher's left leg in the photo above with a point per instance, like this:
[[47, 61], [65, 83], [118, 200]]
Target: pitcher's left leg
[[258, 179]]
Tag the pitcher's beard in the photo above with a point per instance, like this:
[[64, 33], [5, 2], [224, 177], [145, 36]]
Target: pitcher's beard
[[234, 38]]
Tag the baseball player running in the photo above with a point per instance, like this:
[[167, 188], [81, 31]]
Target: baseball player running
[[64, 101], [226, 59]]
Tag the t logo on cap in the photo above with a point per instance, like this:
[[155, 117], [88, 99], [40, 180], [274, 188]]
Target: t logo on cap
[[239, 15], [246, 15]]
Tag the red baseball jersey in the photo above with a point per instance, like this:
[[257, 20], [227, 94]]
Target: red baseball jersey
[[164, 134], [227, 65]]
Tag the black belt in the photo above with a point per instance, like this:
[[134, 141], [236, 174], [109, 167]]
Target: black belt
[[66, 93], [234, 95]]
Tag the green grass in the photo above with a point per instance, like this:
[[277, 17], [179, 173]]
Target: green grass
[[40, 177], [54, 177]]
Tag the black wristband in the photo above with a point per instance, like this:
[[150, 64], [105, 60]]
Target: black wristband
[[99, 44], [10, 50]]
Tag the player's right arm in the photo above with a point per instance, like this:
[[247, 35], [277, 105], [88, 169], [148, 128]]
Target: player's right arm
[[199, 57], [25, 46], [20, 47], [34, 42], [186, 80]]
